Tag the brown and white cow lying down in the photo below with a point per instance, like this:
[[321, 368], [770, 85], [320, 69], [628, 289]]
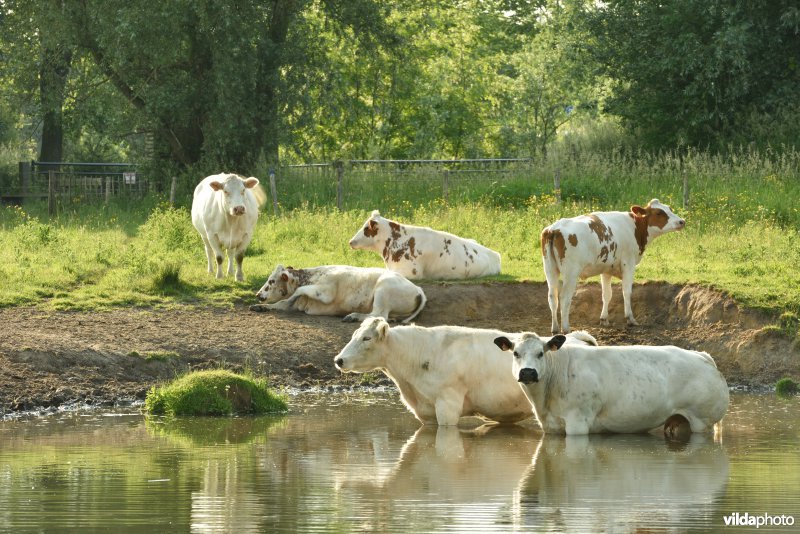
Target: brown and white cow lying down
[[608, 243], [356, 292], [444, 372], [420, 252], [582, 390], [224, 212]]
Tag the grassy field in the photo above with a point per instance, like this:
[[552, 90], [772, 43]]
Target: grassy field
[[741, 237]]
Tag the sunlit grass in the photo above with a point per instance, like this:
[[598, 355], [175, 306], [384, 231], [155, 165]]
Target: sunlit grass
[[740, 237]]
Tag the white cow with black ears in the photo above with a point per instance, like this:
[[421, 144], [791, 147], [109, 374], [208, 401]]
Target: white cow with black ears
[[582, 390], [443, 373]]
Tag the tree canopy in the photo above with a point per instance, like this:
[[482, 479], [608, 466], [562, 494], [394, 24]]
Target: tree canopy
[[223, 84]]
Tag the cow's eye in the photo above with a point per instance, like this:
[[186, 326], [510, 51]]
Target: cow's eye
[[365, 338], [516, 354], [541, 354]]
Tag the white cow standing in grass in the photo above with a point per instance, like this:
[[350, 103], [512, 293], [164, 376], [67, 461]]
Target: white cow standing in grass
[[361, 292], [582, 390], [443, 373], [224, 212], [420, 252], [609, 243]]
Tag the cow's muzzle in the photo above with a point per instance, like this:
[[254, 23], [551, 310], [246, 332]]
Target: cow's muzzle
[[238, 210], [339, 363], [528, 376]]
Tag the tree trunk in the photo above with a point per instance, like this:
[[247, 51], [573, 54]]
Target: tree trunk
[[53, 73]]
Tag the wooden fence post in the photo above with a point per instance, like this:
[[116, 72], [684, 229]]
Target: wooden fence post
[[446, 185], [273, 189], [51, 192], [339, 164], [557, 185]]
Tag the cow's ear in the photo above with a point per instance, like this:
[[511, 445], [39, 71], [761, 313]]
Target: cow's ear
[[556, 342], [373, 224], [638, 211], [251, 182], [375, 213], [284, 277], [216, 186], [504, 343], [383, 329]]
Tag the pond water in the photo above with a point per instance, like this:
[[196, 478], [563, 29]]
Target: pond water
[[343, 463]]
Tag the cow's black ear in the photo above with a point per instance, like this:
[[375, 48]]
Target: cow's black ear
[[504, 343], [556, 342]]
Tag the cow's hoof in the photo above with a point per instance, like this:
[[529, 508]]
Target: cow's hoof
[[605, 322], [349, 319], [258, 308]]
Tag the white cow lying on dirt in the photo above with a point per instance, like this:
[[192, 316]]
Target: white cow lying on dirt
[[420, 252], [444, 372], [582, 390], [607, 243], [360, 292], [225, 211]]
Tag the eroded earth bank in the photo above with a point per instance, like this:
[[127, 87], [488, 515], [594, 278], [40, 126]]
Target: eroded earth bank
[[57, 358]]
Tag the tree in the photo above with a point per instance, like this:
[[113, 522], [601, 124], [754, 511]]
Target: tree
[[687, 71]]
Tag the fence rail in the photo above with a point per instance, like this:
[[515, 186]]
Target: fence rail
[[65, 182]]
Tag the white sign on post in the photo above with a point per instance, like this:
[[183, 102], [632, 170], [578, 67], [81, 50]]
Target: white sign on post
[[129, 177]]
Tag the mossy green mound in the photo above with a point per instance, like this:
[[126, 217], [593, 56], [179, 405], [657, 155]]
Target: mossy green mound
[[217, 392], [786, 386]]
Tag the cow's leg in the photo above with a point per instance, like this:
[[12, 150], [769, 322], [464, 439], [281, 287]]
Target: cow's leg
[[568, 286], [553, 292], [218, 256], [448, 408], [239, 271], [282, 305], [209, 253], [605, 282], [627, 290]]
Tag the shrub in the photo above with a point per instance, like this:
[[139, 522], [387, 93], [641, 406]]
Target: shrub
[[216, 392], [786, 386]]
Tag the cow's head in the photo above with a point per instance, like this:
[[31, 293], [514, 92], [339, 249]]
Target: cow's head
[[656, 218], [373, 232], [529, 363], [364, 351], [233, 190], [280, 285]]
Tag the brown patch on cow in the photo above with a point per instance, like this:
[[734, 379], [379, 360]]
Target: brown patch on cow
[[426, 365], [414, 271], [657, 217], [600, 229], [553, 240], [447, 243], [603, 256], [470, 257], [395, 227], [371, 229], [300, 277], [386, 248], [573, 240], [640, 230]]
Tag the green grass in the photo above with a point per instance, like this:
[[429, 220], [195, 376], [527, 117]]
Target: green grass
[[215, 392], [159, 356], [741, 234], [786, 387]]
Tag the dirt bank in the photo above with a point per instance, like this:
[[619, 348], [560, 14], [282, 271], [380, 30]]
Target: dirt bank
[[56, 358]]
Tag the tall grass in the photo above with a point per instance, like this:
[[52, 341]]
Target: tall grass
[[741, 234]]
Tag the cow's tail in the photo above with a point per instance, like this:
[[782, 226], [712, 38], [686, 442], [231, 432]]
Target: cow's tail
[[549, 255], [421, 300], [584, 337]]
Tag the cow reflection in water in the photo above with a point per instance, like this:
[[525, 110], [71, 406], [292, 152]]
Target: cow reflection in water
[[620, 483]]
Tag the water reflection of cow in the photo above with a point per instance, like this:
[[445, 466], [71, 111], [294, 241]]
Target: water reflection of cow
[[620, 483]]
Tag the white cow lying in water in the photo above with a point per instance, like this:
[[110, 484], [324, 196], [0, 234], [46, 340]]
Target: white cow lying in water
[[444, 372], [360, 292], [582, 390]]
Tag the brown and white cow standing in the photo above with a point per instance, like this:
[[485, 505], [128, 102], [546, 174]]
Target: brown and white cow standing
[[609, 243], [420, 252]]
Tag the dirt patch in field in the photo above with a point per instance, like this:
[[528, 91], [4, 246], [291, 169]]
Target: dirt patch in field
[[57, 358]]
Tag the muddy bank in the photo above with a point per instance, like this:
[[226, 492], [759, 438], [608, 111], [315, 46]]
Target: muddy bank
[[56, 358]]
